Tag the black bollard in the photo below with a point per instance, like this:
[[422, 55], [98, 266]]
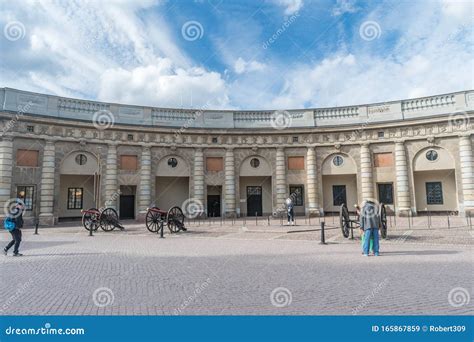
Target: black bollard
[[447, 216], [323, 238], [268, 220], [36, 227], [161, 232], [256, 222], [90, 229]]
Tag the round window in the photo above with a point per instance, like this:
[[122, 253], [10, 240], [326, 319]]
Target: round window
[[81, 159], [431, 155], [172, 162], [254, 162], [338, 160]]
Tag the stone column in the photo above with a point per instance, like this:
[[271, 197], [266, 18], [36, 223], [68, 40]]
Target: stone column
[[229, 183], [366, 176], [403, 206], [144, 196], [467, 169], [111, 189], [199, 178], [6, 153], [311, 182], [280, 181], [46, 215]]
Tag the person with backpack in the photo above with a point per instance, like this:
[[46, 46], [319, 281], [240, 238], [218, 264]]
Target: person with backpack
[[369, 223], [13, 223]]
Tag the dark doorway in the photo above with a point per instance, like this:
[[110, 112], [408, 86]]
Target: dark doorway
[[127, 206], [213, 205], [254, 200], [339, 195]]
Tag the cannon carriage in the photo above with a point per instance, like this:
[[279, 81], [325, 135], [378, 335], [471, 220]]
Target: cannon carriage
[[105, 218], [347, 224], [156, 219]]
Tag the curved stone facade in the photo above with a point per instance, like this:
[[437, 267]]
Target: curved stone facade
[[235, 162]]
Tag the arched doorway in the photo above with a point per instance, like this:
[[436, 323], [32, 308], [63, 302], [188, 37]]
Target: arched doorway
[[255, 186], [172, 182], [79, 184], [339, 175], [434, 180]]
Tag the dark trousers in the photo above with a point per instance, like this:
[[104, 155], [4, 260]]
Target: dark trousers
[[16, 235], [291, 215]]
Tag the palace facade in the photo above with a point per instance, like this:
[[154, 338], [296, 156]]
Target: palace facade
[[63, 155]]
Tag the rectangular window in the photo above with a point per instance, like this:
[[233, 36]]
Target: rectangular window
[[74, 198], [295, 163], [214, 164], [27, 158], [339, 195], [434, 193], [128, 163], [385, 193], [297, 195], [27, 193], [383, 159], [30, 129]]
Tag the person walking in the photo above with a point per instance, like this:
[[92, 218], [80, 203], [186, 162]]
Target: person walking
[[290, 211], [14, 223], [369, 223]]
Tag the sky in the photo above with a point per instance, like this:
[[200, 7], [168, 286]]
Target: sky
[[230, 54]]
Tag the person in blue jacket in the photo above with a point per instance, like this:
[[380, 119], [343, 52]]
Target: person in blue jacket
[[369, 223]]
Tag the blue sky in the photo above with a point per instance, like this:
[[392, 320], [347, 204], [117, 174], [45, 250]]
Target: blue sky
[[274, 54]]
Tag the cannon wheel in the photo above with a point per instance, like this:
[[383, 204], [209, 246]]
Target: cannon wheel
[[344, 220], [90, 220], [153, 220], [175, 219], [383, 220], [108, 219]]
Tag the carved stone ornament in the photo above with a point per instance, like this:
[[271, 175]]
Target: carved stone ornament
[[431, 140], [337, 146], [83, 142]]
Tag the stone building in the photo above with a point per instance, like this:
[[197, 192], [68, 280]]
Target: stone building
[[67, 154]]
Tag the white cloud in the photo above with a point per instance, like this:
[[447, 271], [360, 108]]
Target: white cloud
[[290, 6], [162, 85], [241, 66], [344, 6]]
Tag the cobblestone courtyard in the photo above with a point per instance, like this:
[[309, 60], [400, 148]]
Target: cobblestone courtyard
[[225, 269]]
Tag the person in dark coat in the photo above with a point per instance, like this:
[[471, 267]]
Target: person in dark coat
[[369, 223], [17, 215]]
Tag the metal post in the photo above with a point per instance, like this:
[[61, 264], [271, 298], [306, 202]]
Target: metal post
[[447, 216], [268, 220], [36, 226], [256, 222], [352, 232], [90, 229], [409, 219], [323, 238], [161, 232], [429, 219]]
